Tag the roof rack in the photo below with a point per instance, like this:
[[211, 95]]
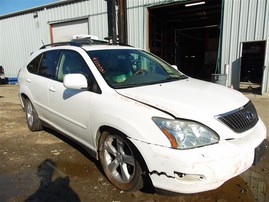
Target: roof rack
[[77, 42], [60, 44], [88, 41], [82, 41]]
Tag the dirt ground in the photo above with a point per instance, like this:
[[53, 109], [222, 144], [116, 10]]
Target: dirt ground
[[43, 166]]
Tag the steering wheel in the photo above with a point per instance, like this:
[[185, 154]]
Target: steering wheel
[[141, 71]]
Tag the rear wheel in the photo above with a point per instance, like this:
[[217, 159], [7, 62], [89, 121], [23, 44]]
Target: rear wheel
[[32, 119], [118, 159]]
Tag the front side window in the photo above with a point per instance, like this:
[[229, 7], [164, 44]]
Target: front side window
[[71, 62], [122, 68]]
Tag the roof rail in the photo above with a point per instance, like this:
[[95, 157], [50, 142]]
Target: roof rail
[[77, 42], [82, 41], [60, 44]]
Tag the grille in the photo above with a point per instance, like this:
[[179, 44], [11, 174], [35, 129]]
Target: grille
[[240, 120]]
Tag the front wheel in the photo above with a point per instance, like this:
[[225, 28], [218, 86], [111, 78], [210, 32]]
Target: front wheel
[[33, 122], [118, 160]]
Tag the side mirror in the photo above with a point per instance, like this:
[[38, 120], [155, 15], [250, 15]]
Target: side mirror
[[175, 67], [75, 81]]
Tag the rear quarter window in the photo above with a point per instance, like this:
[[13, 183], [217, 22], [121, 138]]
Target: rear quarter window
[[32, 67], [44, 64], [47, 67]]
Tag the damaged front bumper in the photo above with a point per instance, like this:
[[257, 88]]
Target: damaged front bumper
[[204, 168]]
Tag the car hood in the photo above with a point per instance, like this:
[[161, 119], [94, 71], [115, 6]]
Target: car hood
[[189, 98]]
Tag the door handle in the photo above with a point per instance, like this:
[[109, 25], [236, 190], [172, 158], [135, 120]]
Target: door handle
[[28, 80], [52, 89]]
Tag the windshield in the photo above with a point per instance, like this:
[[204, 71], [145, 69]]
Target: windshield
[[122, 68]]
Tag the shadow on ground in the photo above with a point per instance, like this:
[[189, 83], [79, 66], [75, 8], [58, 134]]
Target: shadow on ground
[[52, 190]]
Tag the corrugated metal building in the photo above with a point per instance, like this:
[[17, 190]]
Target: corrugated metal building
[[218, 31], [244, 21]]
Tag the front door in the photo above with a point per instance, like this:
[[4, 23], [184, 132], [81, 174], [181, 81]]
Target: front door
[[70, 108]]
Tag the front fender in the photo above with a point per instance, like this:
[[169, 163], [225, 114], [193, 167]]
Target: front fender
[[132, 118]]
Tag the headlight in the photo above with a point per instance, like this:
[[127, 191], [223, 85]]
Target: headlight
[[184, 134]]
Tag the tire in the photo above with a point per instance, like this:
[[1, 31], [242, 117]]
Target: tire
[[118, 159], [33, 122]]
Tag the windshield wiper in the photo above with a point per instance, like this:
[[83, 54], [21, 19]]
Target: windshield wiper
[[172, 78], [135, 84]]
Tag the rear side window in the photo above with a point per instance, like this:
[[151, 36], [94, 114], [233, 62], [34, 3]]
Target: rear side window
[[44, 64], [47, 67], [32, 67]]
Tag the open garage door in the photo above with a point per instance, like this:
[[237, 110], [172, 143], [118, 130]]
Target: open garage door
[[254, 71], [64, 31], [187, 35]]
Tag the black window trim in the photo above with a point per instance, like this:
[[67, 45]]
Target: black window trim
[[98, 90], [55, 77]]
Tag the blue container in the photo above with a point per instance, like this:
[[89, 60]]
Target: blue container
[[12, 80]]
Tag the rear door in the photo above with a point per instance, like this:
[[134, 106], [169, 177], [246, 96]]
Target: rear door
[[42, 70]]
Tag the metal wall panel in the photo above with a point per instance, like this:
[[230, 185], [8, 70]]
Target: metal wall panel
[[243, 20], [18, 37], [21, 34]]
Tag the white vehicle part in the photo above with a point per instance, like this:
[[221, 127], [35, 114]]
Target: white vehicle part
[[75, 81], [175, 67], [182, 97], [191, 99], [186, 134], [139, 127], [200, 169], [81, 36]]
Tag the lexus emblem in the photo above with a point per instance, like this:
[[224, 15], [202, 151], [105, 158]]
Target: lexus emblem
[[249, 116]]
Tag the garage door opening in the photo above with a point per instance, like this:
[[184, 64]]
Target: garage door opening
[[187, 36], [252, 66]]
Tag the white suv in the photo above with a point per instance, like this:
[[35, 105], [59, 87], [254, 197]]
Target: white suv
[[143, 119]]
